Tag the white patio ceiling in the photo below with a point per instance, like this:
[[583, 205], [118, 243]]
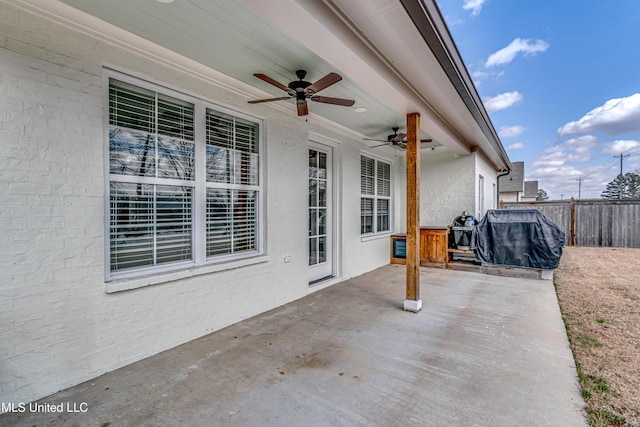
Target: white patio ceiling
[[386, 64]]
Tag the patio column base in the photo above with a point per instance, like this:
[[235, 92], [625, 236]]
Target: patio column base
[[411, 305]]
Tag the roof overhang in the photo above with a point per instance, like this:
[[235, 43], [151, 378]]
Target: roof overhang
[[396, 56], [403, 54]]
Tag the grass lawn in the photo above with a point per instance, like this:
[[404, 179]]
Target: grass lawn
[[599, 294]]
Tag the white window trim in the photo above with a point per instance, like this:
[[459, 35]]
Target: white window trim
[[119, 281], [158, 277], [378, 234]]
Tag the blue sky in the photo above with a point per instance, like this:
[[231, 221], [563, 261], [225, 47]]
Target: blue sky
[[561, 82]]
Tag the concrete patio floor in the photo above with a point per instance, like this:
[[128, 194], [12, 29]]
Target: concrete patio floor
[[484, 351]]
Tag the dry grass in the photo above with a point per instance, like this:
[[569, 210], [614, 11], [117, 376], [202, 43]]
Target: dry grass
[[599, 294]]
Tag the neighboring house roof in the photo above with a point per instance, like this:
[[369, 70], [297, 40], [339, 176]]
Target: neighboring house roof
[[395, 56], [514, 181], [531, 189]]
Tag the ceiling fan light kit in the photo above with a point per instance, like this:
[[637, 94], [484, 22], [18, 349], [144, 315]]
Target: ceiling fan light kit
[[301, 90]]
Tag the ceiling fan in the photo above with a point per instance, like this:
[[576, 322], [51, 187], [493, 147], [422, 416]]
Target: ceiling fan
[[397, 139], [302, 90]]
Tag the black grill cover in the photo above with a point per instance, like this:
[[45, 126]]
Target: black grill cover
[[518, 237]]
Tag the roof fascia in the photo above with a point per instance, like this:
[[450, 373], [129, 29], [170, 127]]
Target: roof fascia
[[430, 23]]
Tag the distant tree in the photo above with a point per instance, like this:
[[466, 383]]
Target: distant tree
[[542, 195], [625, 186]]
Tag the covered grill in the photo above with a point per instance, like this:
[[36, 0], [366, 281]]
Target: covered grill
[[518, 237]]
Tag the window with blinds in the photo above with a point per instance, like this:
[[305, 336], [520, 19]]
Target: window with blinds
[[232, 174], [153, 181], [375, 196]]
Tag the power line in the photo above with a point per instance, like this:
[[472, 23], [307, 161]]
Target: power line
[[632, 150]]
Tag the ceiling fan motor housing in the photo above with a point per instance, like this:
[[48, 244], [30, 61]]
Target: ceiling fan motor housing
[[391, 138], [298, 87]]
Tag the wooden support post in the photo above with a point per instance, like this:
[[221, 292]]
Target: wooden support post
[[413, 301], [572, 222]]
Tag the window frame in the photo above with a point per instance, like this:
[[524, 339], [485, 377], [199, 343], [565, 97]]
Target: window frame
[[199, 184], [376, 197]]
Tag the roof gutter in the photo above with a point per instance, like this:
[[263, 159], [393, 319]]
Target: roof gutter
[[501, 173], [428, 20]]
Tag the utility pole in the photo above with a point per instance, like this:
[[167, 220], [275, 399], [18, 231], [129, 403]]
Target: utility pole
[[621, 185], [579, 187], [622, 156]]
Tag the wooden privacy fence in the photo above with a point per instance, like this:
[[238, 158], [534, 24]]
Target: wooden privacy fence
[[608, 223]]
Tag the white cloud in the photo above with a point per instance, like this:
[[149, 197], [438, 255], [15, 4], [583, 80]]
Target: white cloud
[[478, 77], [617, 116], [579, 149], [569, 181], [502, 101], [518, 45], [572, 150], [474, 5], [515, 146], [553, 160], [561, 166], [620, 146], [558, 181], [453, 22], [510, 131], [554, 172], [558, 176]]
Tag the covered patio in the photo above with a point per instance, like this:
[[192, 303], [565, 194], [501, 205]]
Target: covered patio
[[156, 194], [484, 350]]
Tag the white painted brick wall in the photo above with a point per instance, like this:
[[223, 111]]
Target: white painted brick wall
[[362, 255], [59, 326], [448, 187], [490, 186]]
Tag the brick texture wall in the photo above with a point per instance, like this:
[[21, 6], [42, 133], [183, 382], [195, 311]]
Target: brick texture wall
[[59, 326]]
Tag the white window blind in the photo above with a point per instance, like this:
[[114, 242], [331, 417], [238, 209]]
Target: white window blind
[[367, 176], [375, 196], [231, 221], [150, 224], [152, 180], [366, 215], [149, 135], [232, 150], [232, 174]]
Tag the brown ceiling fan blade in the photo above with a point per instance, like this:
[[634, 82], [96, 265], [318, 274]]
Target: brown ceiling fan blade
[[273, 82], [258, 101], [399, 137], [426, 140], [380, 145], [303, 108], [334, 101], [324, 82]]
